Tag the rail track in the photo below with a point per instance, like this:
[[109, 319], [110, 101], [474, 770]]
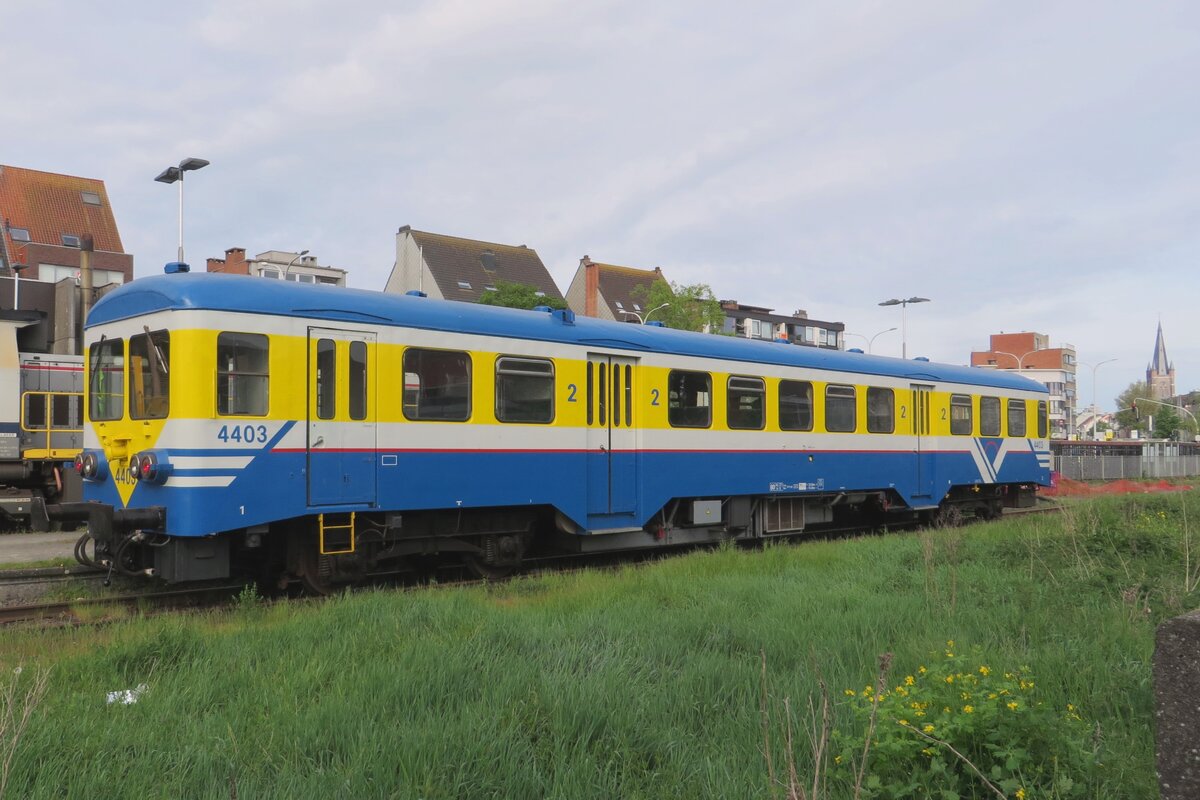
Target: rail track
[[104, 609]]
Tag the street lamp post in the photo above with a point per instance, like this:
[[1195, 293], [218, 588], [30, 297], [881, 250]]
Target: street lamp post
[[299, 256], [16, 271], [904, 319], [175, 175], [643, 317], [1094, 368], [1019, 359], [870, 340]]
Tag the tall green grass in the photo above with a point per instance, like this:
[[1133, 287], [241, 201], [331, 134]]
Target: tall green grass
[[646, 682]]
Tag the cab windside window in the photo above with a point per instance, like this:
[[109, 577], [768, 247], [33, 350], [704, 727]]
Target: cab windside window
[[243, 376], [106, 380], [149, 375], [746, 406], [841, 415], [960, 414], [524, 389], [437, 385], [1016, 417]]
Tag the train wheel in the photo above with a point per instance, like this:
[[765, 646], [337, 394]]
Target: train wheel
[[500, 557]]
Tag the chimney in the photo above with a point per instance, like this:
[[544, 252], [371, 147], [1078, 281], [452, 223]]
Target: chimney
[[235, 261], [591, 282]]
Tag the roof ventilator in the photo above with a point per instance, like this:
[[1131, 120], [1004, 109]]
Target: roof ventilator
[[415, 293], [564, 315]]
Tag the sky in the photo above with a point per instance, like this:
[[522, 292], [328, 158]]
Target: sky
[[1026, 166]]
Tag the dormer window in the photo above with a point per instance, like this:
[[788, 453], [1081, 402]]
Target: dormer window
[[91, 198], [619, 306], [636, 307], [19, 234], [70, 241]]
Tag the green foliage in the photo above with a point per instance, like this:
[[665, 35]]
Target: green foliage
[[688, 308], [941, 723], [518, 295]]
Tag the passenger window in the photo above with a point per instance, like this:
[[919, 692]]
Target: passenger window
[[326, 379], [960, 414], [437, 385], [106, 380], [63, 412], [1016, 417], [795, 406], [628, 394], [689, 399], [746, 406], [989, 416], [243, 379], [616, 395], [35, 411], [841, 415], [1043, 421], [358, 380], [881, 410], [524, 390], [590, 397], [149, 375]]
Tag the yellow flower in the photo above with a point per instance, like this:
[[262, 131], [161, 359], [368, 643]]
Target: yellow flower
[[949, 654], [965, 695], [901, 691], [921, 670], [868, 689], [928, 728], [1020, 794], [908, 680], [920, 713], [984, 671], [903, 722], [850, 693], [1070, 707], [968, 709], [949, 643], [1012, 706], [837, 759], [1026, 684], [946, 710], [949, 679], [992, 695]]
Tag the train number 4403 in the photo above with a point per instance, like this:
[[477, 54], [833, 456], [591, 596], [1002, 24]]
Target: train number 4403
[[246, 434]]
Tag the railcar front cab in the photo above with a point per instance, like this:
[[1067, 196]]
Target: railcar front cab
[[127, 403]]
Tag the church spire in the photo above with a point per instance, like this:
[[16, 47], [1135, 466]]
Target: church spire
[[1160, 364]]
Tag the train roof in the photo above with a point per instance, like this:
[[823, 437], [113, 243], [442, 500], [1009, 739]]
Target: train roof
[[249, 295]]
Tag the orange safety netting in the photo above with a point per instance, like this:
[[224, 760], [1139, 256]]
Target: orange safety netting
[[1065, 487]]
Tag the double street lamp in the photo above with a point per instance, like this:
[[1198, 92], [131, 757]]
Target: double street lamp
[[175, 175], [1094, 368], [643, 317], [870, 340], [904, 319]]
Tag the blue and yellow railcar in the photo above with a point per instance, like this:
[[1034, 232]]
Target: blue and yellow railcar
[[309, 433]]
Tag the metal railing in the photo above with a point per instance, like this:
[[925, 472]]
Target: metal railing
[[1107, 468]]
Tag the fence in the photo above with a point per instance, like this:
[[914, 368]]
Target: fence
[[1107, 468]]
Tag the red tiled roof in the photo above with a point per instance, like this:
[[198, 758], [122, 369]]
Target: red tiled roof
[[49, 205]]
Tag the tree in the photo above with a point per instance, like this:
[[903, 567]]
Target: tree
[[1166, 422], [518, 295], [689, 308]]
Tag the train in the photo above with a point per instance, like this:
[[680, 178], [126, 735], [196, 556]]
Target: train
[[296, 434], [41, 427]]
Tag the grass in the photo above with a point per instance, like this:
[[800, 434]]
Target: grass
[[648, 682]]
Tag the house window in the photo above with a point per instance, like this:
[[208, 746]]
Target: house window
[[70, 241], [795, 405], [881, 410], [490, 289], [524, 390], [19, 234], [1016, 417], [841, 414], [539, 293], [270, 273], [636, 307], [746, 404], [689, 399], [989, 416], [437, 385], [617, 303], [960, 414], [243, 377], [464, 285], [90, 198]]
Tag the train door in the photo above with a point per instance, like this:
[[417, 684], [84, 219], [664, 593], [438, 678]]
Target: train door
[[341, 417], [612, 435], [921, 398]]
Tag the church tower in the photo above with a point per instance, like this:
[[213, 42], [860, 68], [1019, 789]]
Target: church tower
[[1160, 375]]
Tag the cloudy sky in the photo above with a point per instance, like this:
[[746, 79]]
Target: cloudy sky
[[1027, 166]]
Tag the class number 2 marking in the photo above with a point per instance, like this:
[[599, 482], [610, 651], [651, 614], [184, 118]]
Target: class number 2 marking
[[245, 434]]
